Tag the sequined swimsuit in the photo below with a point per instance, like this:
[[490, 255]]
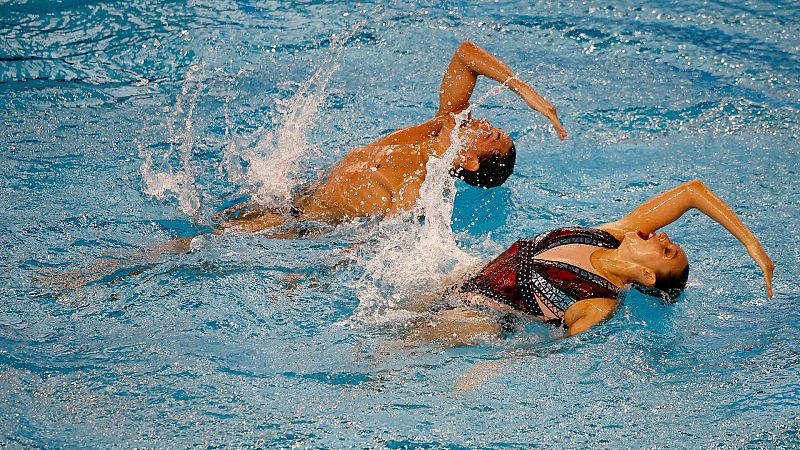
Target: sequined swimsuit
[[542, 288]]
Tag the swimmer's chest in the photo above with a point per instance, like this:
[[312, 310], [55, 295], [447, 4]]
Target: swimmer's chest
[[578, 255], [374, 180], [400, 169]]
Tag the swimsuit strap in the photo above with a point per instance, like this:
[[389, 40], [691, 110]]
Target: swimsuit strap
[[560, 285], [568, 235]]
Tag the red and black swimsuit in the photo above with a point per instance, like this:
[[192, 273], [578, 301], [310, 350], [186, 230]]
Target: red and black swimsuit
[[542, 288]]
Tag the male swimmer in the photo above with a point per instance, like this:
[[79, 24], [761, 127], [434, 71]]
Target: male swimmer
[[385, 176]]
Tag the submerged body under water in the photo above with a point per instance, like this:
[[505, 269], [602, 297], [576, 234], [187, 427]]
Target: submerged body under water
[[128, 125]]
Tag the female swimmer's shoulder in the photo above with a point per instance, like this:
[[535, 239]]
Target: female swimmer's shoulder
[[613, 228]]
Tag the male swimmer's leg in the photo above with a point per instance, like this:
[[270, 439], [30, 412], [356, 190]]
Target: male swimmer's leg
[[254, 223], [115, 267], [112, 266]]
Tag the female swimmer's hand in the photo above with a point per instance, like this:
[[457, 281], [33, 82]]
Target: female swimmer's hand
[[562, 133], [761, 258], [767, 266]]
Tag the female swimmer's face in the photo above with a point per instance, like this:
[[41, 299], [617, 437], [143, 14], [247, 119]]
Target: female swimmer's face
[[654, 251], [479, 140]]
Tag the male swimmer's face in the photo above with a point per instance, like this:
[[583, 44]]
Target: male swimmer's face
[[654, 251], [479, 141]]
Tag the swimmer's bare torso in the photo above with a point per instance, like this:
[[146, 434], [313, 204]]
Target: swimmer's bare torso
[[381, 178]]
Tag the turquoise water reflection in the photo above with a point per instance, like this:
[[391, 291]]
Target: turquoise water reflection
[[249, 341]]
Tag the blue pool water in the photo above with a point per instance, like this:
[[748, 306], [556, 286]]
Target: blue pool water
[[127, 124]]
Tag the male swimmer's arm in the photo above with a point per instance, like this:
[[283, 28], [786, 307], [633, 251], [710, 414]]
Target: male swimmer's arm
[[470, 61], [586, 313], [667, 207]]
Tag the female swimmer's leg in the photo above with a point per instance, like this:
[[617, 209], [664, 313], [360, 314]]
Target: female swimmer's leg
[[449, 328], [462, 327], [455, 327], [479, 374]]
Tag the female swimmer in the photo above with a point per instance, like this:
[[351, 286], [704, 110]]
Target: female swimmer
[[384, 177], [573, 276]]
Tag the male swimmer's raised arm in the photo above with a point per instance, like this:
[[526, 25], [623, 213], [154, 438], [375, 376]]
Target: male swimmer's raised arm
[[470, 61], [584, 314], [667, 207]]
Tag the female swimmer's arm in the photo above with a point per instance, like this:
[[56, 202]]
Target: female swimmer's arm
[[470, 61], [665, 208], [586, 313]]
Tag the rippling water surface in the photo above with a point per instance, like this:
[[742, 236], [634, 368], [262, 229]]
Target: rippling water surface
[[127, 124]]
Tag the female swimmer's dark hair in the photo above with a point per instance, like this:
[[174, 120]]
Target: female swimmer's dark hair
[[668, 287], [673, 284], [492, 170]]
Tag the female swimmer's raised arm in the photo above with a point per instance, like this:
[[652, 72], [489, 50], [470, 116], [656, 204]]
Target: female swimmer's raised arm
[[470, 61], [667, 207]]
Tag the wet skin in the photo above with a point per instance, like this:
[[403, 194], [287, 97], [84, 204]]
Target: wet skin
[[644, 254], [385, 179]]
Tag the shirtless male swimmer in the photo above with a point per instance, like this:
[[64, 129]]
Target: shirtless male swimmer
[[385, 176]]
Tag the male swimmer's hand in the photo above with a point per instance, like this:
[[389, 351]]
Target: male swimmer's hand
[[537, 102], [768, 267], [551, 114]]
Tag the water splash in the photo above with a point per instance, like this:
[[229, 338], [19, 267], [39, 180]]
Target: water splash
[[270, 164], [165, 182], [269, 172], [265, 163], [412, 257]]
